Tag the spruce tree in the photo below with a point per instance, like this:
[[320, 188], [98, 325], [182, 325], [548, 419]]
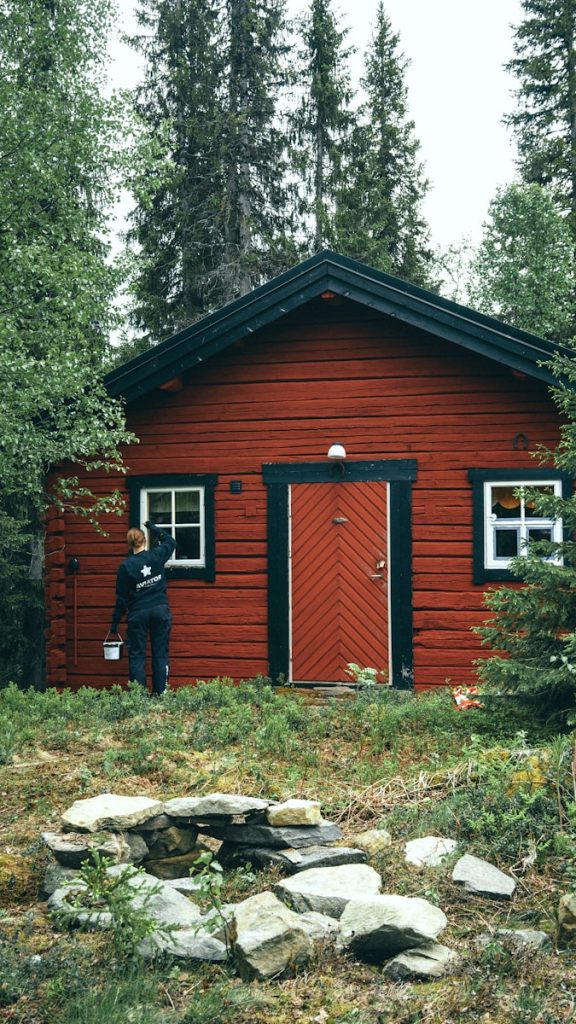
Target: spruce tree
[[544, 123], [532, 629], [379, 204], [212, 203], [257, 198], [322, 121], [176, 224]]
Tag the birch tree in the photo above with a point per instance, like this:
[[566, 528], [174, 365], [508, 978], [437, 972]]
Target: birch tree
[[57, 140]]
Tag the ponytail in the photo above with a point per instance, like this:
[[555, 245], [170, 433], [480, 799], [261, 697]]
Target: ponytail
[[136, 538]]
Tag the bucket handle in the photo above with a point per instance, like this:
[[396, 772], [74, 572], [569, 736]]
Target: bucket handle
[[118, 634]]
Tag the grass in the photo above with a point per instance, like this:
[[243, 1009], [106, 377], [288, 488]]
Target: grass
[[495, 779]]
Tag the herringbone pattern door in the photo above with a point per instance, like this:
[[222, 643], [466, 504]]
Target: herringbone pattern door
[[339, 579]]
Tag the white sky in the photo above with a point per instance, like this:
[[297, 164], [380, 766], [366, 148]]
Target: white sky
[[458, 93]]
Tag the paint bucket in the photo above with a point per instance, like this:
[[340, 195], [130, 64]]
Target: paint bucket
[[113, 648]]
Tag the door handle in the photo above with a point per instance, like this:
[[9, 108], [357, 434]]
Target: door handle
[[376, 576]]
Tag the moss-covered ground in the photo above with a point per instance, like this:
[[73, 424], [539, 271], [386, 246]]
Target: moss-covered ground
[[494, 779]]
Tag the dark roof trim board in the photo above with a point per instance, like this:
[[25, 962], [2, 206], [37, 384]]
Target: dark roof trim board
[[329, 271]]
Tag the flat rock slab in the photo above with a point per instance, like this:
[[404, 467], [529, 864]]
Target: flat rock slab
[[517, 940], [430, 961], [110, 811], [483, 879], [295, 812], [291, 860], [186, 944], [214, 805], [187, 886], [71, 849], [328, 890], [378, 927], [267, 835], [429, 851]]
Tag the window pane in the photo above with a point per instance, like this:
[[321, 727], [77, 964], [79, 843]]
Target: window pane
[[504, 504], [539, 534], [505, 543], [547, 489], [160, 507], [187, 506], [188, 542]]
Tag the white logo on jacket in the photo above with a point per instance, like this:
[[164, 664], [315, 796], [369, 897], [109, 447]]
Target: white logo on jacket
[[146, 570]]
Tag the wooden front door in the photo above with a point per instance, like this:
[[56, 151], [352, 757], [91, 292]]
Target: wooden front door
[[339, 579]]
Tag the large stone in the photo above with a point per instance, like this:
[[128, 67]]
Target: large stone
[[295, 812], [214, 805], [429, 851], [267, 938], [289, 859], [430, 961], [217, 921], [56, 877], [138, 847], [483, 879], [567, 919], [175, 867], [63, 900], [328, 890], [380, 926], [266, 835], [71, 849], [169, 841], [110, 811], [187, 886], [162, 903], [186, 944], [319, 927], [373, 841]]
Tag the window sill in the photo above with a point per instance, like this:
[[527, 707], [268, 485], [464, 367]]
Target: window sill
[[190, 572]]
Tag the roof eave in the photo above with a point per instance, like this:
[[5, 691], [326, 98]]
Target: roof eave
[[406, 303]]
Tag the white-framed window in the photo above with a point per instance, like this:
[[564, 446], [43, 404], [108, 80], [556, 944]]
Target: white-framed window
[[505, 521], [511, 521], [183, 504], [181, 512]]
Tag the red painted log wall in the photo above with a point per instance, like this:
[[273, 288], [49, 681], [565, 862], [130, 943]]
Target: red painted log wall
[[330, 372]]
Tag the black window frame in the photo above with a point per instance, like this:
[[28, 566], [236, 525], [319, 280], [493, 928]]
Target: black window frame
[[523, 478], [208, 481]]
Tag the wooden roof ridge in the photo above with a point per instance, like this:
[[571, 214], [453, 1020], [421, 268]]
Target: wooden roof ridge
[[330, 271]]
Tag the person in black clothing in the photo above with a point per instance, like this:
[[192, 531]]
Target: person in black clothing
[[141, 591]]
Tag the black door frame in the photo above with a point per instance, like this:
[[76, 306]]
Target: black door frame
[[399, 474]]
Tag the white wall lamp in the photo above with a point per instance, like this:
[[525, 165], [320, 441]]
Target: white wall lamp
[[337, 452]]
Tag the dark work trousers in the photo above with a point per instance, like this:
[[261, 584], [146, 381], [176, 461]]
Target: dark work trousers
[[156, 623]]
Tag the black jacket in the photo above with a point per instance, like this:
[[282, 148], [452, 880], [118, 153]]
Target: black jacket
[[141, 580]]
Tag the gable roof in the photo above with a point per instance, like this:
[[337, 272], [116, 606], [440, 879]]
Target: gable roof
[[330, 271]]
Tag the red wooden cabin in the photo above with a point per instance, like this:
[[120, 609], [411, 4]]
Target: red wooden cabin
[[289, 563]]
